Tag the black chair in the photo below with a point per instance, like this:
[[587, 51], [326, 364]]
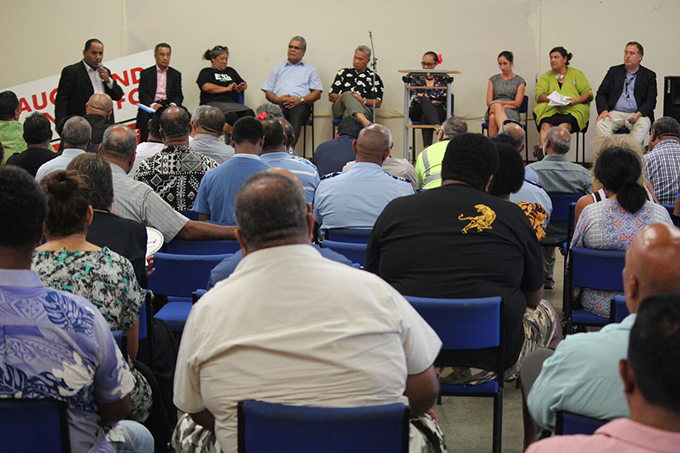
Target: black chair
[[34, 425], [310, 122], [523, 109], [568, 424], [581, 143]]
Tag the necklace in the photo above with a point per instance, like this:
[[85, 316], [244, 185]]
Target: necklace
[[560, 77]]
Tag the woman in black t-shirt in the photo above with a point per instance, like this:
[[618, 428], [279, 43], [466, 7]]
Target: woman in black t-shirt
[[221, 86]]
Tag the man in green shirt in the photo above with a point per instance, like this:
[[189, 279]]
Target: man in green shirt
[[11, 130]]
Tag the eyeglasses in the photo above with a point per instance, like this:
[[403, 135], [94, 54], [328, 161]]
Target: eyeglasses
[[295, 47], [424, 63]]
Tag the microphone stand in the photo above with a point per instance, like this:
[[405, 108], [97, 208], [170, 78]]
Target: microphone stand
[[374, 65]]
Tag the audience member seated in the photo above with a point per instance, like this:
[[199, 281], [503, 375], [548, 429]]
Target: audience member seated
[[11, 131], [98, 111], [581, 375], [612, 224], [294, 85], [75, 138], [508, 179], [557, 174], [37, 134], [136, 201], [274, 154], [612, 141], [229, 264], [153, 144], [649, 376], [176, 171], [662, 162], [515, 131], [332, 155], [289, 132], [68, 262], [215, 200], [268, 110], [568, 82], [627, 96], [504, 94], [323, 356], [354, 91], [220, 86], [428, 106], [456, 241], [79, 358], [123, 236], [356, 198], [429, 162], [208, 128]]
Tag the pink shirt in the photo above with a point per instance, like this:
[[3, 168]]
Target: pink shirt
[[621, 436], [161, 84]]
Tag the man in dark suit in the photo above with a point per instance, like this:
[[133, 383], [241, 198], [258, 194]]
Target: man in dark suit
[[627, 96], [81, 80], [159, 85]]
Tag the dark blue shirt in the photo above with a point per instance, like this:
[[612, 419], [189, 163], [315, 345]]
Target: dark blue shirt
[[332, 155]]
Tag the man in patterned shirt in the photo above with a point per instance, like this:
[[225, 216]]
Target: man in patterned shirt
[[176, 171], [353, 92], [662, 162], [57, 345]]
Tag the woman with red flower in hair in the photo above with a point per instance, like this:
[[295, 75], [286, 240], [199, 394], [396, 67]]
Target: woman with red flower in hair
[[428, 106]]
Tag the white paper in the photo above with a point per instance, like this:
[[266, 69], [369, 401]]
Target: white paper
[[557, 100]]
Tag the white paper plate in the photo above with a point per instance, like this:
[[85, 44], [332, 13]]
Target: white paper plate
[[154, 240]]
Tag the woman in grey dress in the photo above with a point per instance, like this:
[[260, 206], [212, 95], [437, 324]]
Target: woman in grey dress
[[504, 94]]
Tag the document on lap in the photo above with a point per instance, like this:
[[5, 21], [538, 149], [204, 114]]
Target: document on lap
[[557, 100]]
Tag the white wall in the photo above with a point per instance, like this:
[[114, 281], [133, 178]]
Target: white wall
[[44, 36]]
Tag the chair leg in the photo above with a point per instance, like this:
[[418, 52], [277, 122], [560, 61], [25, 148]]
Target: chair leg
[[304, 140], [498, 422]]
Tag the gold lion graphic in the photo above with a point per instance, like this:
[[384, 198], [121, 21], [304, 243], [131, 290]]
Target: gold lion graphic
[[482, 221]]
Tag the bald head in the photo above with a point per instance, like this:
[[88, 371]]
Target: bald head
[[516, 132], [99, 104], [652, 264], [558, 141], [373, 144]]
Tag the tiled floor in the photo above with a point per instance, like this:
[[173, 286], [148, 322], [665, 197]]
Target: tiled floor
[[467, 422]]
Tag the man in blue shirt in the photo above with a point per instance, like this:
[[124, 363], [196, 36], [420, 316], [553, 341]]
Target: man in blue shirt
[[57, 343], [274, 154], [295, 85], [216, 195], [332, 155], [355, 199]]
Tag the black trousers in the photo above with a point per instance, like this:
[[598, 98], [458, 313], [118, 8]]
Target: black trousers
[[298, 117], [428, 113]]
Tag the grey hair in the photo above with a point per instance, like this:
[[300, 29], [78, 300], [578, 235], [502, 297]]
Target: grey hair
[[212, 120], [197, 114], [272, 110], [454, 126], [303, 41], [666, 126], [97, 172], [364, 49], [77, 133], [556, 143], [271, 208], [119, 141]]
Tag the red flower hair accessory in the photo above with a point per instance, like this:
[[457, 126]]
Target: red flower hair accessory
[[262, 115], [439, 59]]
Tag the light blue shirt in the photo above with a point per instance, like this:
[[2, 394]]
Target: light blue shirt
[[355, 199], [582, 376], [295, 79], [212, 147], [530, 174], [304, 170], [627, 104], [557, 174], [58, 163], [533, 193]]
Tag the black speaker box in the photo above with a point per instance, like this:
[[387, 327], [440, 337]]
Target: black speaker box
[[671, 97]]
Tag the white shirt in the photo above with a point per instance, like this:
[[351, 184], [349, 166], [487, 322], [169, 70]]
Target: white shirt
[[96, 79], [144, 151], [324, 335], [58, 163]]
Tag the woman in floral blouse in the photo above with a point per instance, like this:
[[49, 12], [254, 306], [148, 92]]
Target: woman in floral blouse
[[428, 106]]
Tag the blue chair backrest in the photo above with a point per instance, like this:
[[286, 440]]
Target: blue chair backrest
[[181, 247], [241, 97], [359, 236], [276, 427], [191, 215], [597, 269], [118, 336], [669, 207], [462, 324], [198, 294], [33, 425], [569, 424], [180, 275], [618, 310], [524, 108], [561, 202], [355, 252]]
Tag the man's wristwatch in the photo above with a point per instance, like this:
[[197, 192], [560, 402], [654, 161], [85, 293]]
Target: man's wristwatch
[[302, 100]]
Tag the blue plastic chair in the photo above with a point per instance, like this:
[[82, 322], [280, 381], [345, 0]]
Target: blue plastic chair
[[181, 247], [669, 207], [523, 109], [197, 295], [191, 215], [568, 424], [618, 310], [355, 252], [593, 269], [179, 276], [468, 325], [275, 427], [561, 213], [358, 236], [335, 122], [34, 425]]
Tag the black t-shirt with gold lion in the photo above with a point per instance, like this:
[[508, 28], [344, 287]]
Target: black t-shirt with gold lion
[[459, 242]]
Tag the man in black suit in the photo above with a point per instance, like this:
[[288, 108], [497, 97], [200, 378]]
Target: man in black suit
[[159, 85], [627, 96], [81, 80]]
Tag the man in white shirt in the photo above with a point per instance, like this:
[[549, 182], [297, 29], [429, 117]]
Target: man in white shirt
[[75, 139], [330, 343]]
